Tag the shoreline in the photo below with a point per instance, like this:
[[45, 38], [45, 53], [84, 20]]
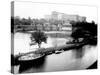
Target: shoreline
[[52, 50]]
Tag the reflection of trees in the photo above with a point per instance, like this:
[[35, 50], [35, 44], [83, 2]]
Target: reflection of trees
[[86, 31], [33, 64]]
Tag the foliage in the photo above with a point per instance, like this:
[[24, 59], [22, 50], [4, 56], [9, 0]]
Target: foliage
[[38, 37], [29, 21], [28, 24], [85, 30]]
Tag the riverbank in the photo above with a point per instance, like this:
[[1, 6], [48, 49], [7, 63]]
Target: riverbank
[[54, 49], [68, 57], [60, 34], [48, 51]]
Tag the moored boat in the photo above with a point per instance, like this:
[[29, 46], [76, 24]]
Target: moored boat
[[31, 58]]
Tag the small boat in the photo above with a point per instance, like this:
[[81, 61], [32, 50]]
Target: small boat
[[58, 52]]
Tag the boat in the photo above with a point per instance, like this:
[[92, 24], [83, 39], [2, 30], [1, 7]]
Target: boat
[[31, 58], [58, 52]]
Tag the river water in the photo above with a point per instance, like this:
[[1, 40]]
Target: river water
[[68, 60]]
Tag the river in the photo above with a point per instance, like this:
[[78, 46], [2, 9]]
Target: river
[[68, 60]]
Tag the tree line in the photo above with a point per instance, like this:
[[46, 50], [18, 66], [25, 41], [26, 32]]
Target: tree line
[[28, 21], [86, 31]]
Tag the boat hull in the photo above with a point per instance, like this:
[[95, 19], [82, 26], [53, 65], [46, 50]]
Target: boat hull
[[32, 61]]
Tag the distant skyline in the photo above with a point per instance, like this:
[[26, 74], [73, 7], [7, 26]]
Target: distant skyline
[[39, 10]]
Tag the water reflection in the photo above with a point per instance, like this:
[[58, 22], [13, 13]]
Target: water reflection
[[35, 65], [79, 58], [78, 53], [22, 43], [67, 60]]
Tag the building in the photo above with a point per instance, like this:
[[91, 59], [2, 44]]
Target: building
[[66, 26], [39, 27], [47, 27], [62, 16]]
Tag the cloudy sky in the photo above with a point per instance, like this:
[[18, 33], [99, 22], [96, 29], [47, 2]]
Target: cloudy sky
[[38, 10]]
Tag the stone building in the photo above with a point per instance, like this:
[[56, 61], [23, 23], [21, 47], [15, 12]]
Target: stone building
[[66, 18]]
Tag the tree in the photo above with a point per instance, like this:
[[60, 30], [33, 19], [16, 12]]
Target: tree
[[17, 20], [29, 21], [85, 30], [38, 37]]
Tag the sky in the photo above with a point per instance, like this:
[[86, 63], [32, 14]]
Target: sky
[[39, 10]]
